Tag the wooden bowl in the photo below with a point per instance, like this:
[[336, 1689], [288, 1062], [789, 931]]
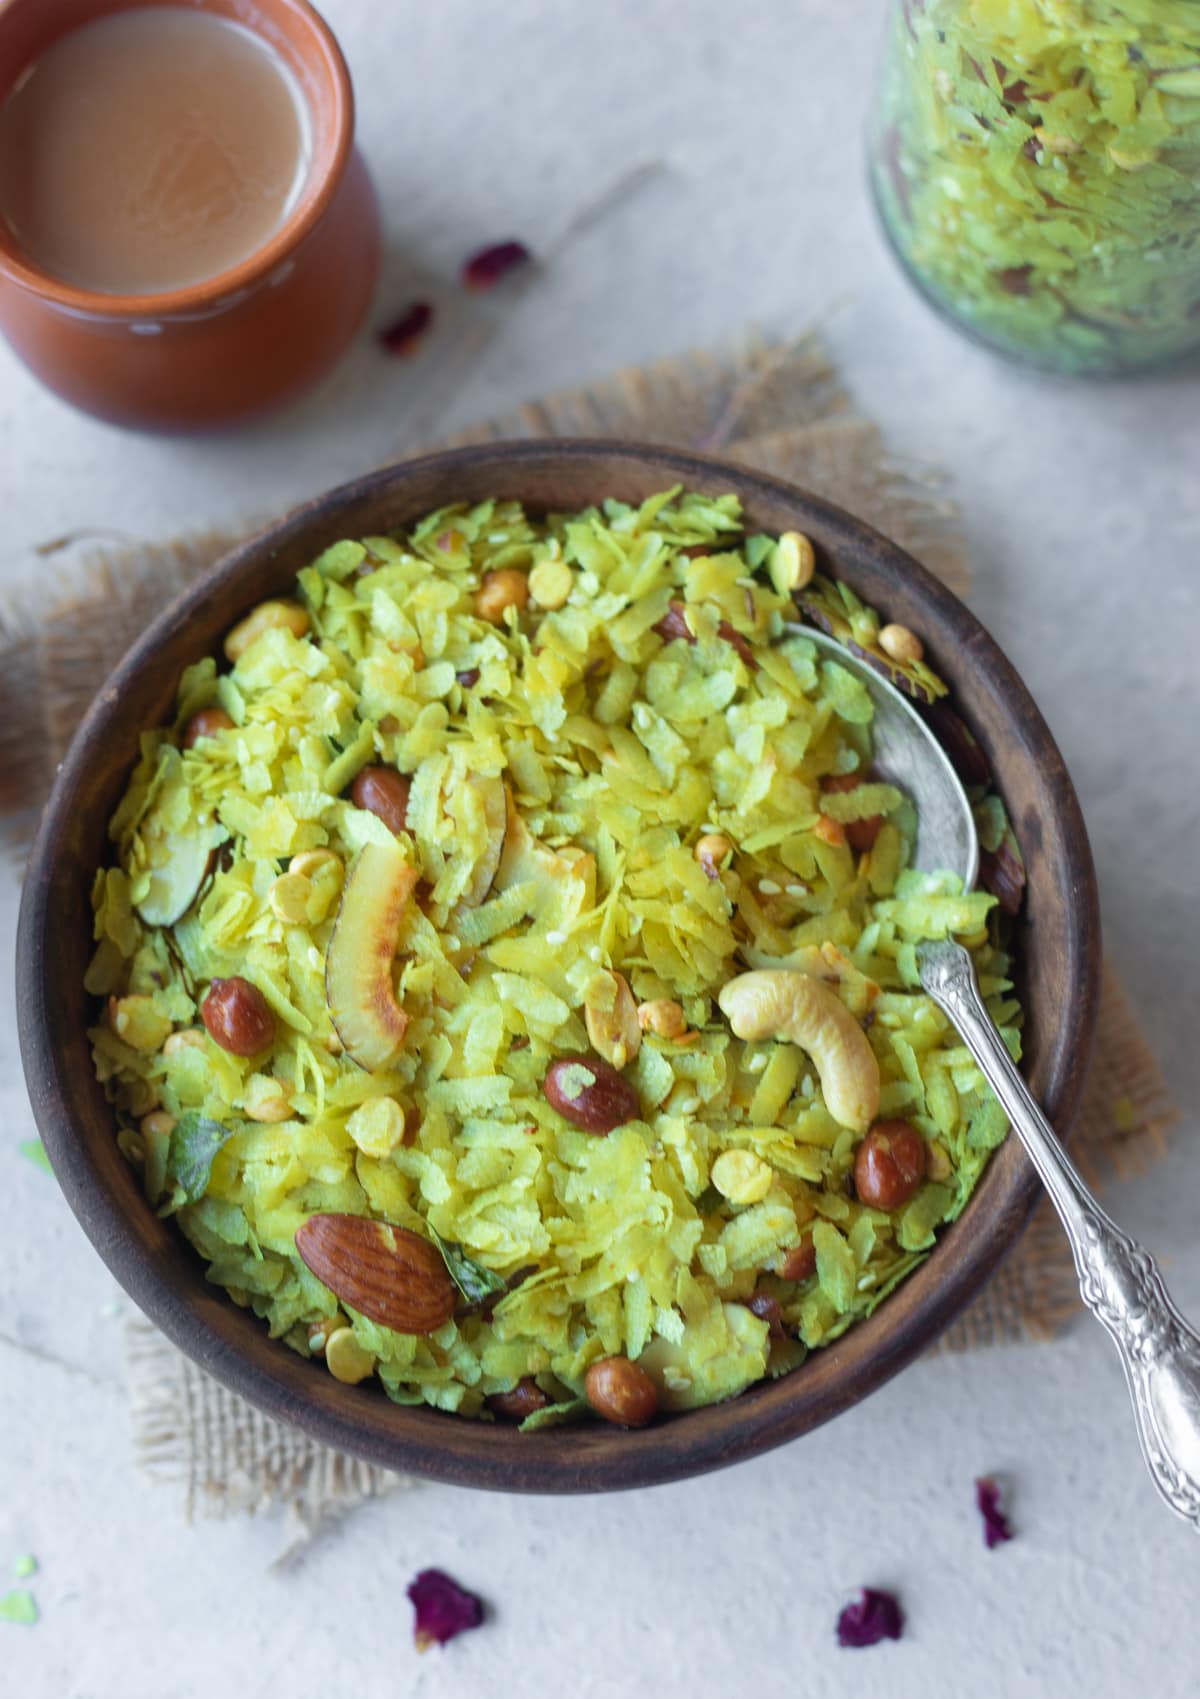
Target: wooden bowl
[[1059, 944]]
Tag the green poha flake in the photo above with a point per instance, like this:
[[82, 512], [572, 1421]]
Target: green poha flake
[[33, 1150], [562, 766], [19, 1605]]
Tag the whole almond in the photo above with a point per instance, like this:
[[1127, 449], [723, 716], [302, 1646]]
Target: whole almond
[[590, 1093], [388, 1274]]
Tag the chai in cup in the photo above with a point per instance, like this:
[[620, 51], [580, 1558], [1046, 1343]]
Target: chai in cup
[[152, 149]]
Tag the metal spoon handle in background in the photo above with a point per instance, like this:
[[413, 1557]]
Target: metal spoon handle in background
[[1119, 1281]]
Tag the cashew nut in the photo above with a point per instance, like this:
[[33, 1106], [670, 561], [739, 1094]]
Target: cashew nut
[[779, 1003]]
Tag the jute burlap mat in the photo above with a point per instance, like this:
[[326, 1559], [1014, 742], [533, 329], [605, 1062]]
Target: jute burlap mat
[[778, 407]]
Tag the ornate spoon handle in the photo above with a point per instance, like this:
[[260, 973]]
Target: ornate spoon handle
[[1117, 1278]]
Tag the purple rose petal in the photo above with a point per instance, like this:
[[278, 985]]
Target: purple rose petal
[[995, 1523], [874, 1616], [406, 331], [443, 1609], [486, 268]]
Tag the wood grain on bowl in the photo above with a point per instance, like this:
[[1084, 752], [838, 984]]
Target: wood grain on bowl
[[1058, 946]]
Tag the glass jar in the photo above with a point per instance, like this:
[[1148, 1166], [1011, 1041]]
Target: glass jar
[[1037, 167]]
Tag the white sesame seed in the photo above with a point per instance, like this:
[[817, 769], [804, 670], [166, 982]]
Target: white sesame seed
[[769, 888], [796, 890], [556, 938]]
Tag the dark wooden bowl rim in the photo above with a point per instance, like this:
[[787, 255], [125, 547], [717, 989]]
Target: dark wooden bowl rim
[[1060, 944]]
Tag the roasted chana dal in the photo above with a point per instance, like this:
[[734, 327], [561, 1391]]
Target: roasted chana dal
[[508, 974]]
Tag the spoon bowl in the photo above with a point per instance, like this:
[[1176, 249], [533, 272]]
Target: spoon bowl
[[1118, 1279], [906, 754]]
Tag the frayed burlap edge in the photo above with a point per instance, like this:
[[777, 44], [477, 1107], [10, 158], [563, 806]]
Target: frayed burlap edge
[[778, 407]]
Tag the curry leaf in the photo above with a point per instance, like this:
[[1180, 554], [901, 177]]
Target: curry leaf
[[195, 1141], [475, 1282]]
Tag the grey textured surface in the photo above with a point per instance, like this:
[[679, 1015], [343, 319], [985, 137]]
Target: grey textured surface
[[1083, 509]]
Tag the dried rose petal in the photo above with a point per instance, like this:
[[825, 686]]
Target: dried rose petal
[[443, 1609], [402, 335], [874, 1616], [996, 1527], [486, 268]]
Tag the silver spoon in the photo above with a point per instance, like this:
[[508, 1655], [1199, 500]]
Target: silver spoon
[[1118, 1280]]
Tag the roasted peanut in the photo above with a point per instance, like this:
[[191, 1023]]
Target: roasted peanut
[[663, 1016], [137, 1021], [187, 1038], [499, 591], [711, 851], [206, 722], [939, 1162], [621, 1392], [238, 1016], [890, 1165], [791, 562], [268, 616], [550, 583], [800, 1263], [859, 834], [611, 1016], [780, 1003], [382, 791], [157, 1125], [268, 1100], [742, 1176], [590, 1094], [521, 1401], [901, 643]]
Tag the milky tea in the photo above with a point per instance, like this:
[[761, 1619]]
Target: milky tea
[[150, 150]]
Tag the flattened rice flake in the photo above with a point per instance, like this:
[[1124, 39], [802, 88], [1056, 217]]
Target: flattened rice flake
[[617, 747]]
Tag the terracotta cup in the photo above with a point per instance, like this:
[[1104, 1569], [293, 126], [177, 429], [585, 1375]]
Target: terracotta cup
[[252, 336]]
